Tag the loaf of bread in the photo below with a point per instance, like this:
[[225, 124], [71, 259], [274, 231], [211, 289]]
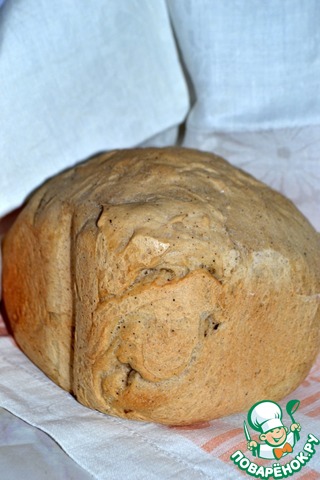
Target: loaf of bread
[[164, 285]]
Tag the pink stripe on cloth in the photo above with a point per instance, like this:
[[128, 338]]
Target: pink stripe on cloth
[[308, 475], [219, 439], [314, 413], [309, 400]]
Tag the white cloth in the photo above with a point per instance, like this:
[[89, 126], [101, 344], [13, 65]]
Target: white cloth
[[78, 77], [108, 448], [253, 65], [36, 451], [254, 71]]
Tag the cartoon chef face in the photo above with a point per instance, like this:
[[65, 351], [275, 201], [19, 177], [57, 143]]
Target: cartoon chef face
[[274, 437], [266, 417]]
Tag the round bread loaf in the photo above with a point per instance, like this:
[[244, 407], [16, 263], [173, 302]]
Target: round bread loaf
[[164, 285]]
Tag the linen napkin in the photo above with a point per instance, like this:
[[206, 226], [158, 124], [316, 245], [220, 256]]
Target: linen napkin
[[78, 78]]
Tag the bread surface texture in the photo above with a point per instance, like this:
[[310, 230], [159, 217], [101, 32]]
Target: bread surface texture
[[164, 285]]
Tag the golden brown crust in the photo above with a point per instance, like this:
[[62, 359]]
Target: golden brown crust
[[164, 285]]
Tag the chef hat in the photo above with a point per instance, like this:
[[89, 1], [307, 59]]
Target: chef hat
[[264, 416]]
